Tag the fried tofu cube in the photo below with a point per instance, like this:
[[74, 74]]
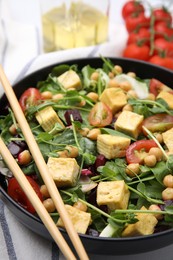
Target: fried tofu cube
[[167, 96], [114, 98], [64, 171], [112, 146], [114, 194], [145, 225], [168, 139], [47, 118], [129, 123], [69, 79], [80, 219]]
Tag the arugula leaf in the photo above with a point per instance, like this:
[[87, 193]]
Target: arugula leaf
[[115, 132]]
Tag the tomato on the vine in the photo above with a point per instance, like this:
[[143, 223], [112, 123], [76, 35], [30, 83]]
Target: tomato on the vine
[[136, 152], [166, 62], [142, 35], [162, 46], [132, 7], [135, 51], [136, 21], [100, 115], [30, 97], [15, 192], [162, 15], [162, 30]]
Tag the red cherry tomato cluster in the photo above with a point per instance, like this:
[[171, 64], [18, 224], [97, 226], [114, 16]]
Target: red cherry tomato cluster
[[150, 33]]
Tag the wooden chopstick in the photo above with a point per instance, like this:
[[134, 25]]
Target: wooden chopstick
[[38, 205], [42, 166]]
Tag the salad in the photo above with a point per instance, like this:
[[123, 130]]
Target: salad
[[106, 137]]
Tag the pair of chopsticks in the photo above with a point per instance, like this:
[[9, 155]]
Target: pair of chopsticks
[[48, 180]]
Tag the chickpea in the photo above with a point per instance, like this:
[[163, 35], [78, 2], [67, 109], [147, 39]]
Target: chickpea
[[24, 157], [95, 76], [113, 83], [131, 74], [63, 154], [131, 94], [132, 169], [72, 151], [126, 86], [150, 160], [84, 131], [117, 70], [167, 194], [46, 95], [49, 205], [93, 134], [80, 205], [168, 181], [151, 96], [44, 191], [57, 96], [127, 107], [82, 103], [159, 137], [13, 129], [94, 96], [111, 75], [157, 152], [154, 207]]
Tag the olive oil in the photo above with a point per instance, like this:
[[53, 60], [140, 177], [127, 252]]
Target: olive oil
[[81, 25]]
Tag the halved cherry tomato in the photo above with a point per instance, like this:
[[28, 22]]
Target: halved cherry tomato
[[132, 7], [16, 193], [100, 115], [136, 21], [158, 123], [156, 86], [136, 152], [135, 51], [166, 62], [30, 97]]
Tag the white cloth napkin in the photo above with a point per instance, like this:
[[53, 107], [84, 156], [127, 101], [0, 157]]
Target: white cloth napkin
[[20, 55]]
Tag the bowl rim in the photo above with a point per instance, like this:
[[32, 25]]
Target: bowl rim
[[75, 61]]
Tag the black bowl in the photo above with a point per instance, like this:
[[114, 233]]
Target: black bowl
[[96, 245]]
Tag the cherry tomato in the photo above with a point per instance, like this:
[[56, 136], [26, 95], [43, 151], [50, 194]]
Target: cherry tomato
[[137, 52], [132, 7], [136, 152], [158, 123], [142, 35], [166, 62], [100, 115], [156, 86], [162, 14], [161, 45], [162, 30], [17, 194], [30, 97], [136, 21]]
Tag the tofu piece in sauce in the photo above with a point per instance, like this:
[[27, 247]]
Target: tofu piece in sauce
[[114, 98], [145, 225], [80, 219], [64, 171], [114, 194], [112, 146], [129, 123]]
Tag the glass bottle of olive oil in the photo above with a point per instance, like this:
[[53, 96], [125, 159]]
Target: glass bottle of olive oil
[[78, 25]]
